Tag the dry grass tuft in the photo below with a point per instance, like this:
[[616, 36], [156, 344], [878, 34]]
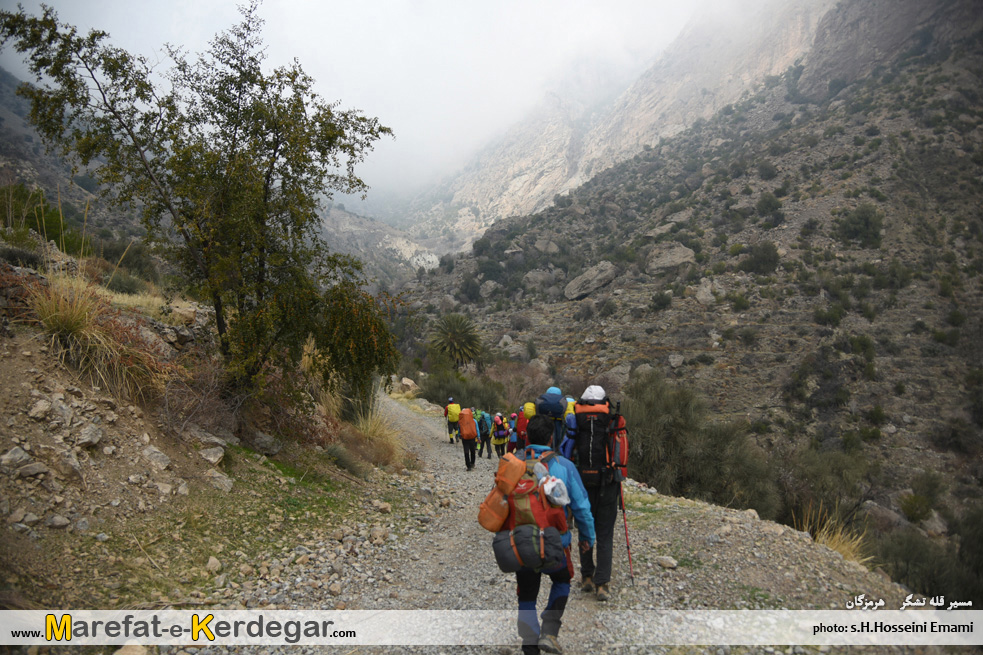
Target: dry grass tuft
[[379, 439], [94, 340], [828, 529]]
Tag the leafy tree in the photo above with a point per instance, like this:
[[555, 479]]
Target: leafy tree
[[456, 335], [228, 163]]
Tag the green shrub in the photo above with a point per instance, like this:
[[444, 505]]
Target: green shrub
[[20, 257], [916, 508], [123, 282], [831, 316], [877, 415], [862, 226], [661, 301], [608, 308], [767, 170], [767, 204], [681, 452], [738, 301], [470, 392], [763, 259]]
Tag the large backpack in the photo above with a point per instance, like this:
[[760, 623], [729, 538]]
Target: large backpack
[[453, 412], [532, 534], [591, 443], [467, 427], [552, 404], [484, 423], [521, 422]]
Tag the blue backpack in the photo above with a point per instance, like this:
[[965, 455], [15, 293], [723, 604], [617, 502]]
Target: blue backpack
[[552, 404]]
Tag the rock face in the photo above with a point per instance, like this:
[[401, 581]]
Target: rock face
[[592, 280], [856, 36], [567, 140], [667, 256]]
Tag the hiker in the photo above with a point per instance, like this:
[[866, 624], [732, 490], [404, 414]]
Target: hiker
[[484, 432], [554, 406], [500, 435], [589, 448], [534, 638], [469, 435], [452, 412], [513, 435]]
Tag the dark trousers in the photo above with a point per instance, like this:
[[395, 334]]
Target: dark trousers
[[485, 446], [469, 445], [453, 429], [500, 449], [527, 588], [604, 501]]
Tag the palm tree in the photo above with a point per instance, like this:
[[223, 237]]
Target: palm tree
[[456, 335]]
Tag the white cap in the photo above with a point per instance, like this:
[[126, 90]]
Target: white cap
[[593, 392]]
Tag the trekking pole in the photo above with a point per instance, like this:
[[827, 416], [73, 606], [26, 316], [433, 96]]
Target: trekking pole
[[631, 570]]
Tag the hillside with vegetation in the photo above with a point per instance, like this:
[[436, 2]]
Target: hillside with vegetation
[[809, 267]]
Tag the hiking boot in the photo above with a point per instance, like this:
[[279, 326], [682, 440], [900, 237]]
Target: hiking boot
[[549, 644], [587, 585], [603, 593]]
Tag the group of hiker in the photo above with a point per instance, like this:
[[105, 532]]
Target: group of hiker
[[479, 431], [562, 464]]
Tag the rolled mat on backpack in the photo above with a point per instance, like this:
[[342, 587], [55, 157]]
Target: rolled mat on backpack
[[528, 547]]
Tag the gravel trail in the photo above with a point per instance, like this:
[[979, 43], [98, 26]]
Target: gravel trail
[[428, 552]]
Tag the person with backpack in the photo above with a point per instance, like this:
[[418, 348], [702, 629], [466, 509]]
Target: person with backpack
[[452, 412], [500, 435], [513, 434], [554, 406], [469, 435], [545, 638], [591, 449], [484, 432]]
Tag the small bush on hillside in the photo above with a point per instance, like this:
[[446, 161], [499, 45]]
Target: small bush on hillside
[[20, 257], [520, 322], [767, 170], [861, 226], [661, 301], [767, 204], [123, 282], [763, 259]]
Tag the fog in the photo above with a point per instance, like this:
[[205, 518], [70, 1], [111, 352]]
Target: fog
[[445, 75]]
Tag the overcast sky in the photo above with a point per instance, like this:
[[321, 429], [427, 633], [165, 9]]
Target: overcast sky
[[446, 75]]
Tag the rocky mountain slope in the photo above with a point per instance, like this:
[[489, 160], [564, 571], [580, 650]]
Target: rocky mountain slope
[[813, 267], [728, 49]]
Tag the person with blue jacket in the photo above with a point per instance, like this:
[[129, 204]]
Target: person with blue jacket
[[536, 639]]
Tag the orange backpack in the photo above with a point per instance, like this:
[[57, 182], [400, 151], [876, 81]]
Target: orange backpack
[[467, 426]]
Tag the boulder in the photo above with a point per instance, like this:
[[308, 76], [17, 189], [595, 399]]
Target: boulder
[[90, 435], [218, 480], [213, 455], [15, 458], [667, 256], [260, 441], [538, 279], [488, 287], [593, 279], [40, 409], [157, 459]]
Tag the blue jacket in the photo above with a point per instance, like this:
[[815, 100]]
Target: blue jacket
[[562, 468]]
